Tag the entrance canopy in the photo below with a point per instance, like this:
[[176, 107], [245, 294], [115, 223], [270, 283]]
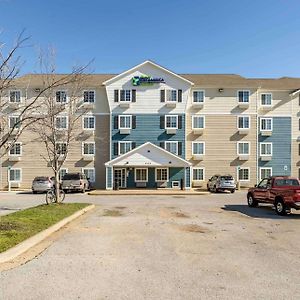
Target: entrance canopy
[[148, 155]]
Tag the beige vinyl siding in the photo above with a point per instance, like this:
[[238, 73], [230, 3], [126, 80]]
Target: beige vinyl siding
[[221, 137]]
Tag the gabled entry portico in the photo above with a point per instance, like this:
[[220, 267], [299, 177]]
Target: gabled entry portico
[[148, 166]]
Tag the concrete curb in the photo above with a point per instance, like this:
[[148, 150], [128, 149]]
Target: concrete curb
[[116, 193], [15, 251]]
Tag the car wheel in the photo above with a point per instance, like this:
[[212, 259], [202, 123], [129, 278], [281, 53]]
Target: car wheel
[[280, 208], [215, 189], [251, 201], [83, 189], [34, 192], [208, 189], [232, 191]]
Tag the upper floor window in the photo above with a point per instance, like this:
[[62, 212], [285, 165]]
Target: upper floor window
[[16, 149], [198, 96], [198, 174], [88, 122], [266, 99], [243, 96], [125, 121], [172, 146], [198, 148], [243, 148], [124, 96], [171, 121], [61, 122], [266, 149], [15, 96], [124, 147], [266, 124], [171, 95], [198, 122], [89, 96], [14, 122], [88, 148], [243, 122], [61, 96], [61, 148]]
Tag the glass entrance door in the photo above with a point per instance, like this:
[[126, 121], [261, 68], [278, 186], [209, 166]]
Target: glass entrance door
[[120, 178]]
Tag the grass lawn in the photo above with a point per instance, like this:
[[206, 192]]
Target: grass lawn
[[18, 226]]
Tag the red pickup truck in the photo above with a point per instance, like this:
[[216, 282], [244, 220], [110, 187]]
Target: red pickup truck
[[281, 191]]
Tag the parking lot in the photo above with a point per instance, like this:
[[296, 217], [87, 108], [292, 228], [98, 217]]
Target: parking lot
[[162, 247]]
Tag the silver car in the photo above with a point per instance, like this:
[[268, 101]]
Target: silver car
[[75, 182], [219, 183], [41, 184]]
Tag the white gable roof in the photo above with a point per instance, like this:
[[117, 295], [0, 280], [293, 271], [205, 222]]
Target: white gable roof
[[148, 155], [142, 64]]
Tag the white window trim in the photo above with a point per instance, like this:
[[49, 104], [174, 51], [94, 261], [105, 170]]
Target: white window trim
[[198, 142], [243, 116], [266, 105], [14, 91], [124, 142], [13, 169], [243, 180], [119, 123], [14, 116], [66, 169], [238, 96], [260, 144], [67, 122], [243, 142], [197, 168], [198, 116], [260, 125], [170, 91], [156, 180], [264, 168], [61, 143], [67, 97], [125, 101], [21, 150], [135, 170], [203, 91], [165, 146], [87, 116], [93, 169], [166, 121], [84, 154], [94, 96]]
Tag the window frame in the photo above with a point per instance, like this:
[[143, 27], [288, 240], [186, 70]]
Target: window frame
[[198, 142], [90, 169], [56, 149], [266, 105], [125, 95], [21, 150], [16, 117], [260, 148], [124, 142], [119, 121], [85, 117], [171, 116], [171, 93], [15, 169], [171, 142], [264, 168], [243, 168], [60, 91], [203, 173], [193, 122], [243, 128], [88, 154], [67, 122], [135, 175], [88, 91], [198, 91], [14, 91], [156, 179], [238, 148], [238, 97], [59, 173], [260, 123]]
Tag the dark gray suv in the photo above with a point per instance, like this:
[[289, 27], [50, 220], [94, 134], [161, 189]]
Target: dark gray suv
[[219, 183]]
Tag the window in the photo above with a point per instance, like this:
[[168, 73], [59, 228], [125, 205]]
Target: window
[[61, 122], [198, 96], [171, 96], [89, 122], [89, 173], [15, 174], [125, 95], [266, 99], [243, 148], [15, 96], [124, 147], [161, 174], [266, 149], [88, 148], [243, 96], [243, 122], [61, 96], [244, 174], [62, 173], [198, 173], [61, 148], [125, 122], [198, 148], [141, 175], [14, 122], [266, 124], [171, 122], [89, 96], [172, 146], [16, 149], [265, 173], [198, 122]]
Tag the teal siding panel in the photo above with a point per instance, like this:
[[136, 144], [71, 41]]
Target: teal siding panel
[[281, 140], [175, 174]]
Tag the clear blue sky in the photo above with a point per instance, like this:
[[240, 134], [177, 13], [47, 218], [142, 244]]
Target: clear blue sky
[[248, 37]]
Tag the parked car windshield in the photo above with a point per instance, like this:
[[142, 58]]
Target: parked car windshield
[[286, 182], [41, 178], [71, 177], [227, 177]]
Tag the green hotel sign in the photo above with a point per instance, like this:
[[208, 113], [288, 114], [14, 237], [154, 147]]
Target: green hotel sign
[[146, 80]]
